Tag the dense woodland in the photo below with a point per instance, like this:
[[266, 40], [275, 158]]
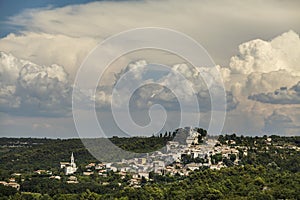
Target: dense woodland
[[26, 155], [267, 172]]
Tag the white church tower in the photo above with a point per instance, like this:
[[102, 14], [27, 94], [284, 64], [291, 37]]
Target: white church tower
[[192, 137], [73, 164], [71, 168]]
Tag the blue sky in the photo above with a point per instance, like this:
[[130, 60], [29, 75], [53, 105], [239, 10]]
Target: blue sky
[[12, 7]]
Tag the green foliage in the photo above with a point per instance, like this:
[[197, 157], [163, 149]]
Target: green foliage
[[42, 154], [202, 132], [33, 154], [141, 144], [216, 158], [268, 171], [7, 191]]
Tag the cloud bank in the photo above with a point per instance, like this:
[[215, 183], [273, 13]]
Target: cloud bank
[[39, 90], [157, 93], [280, 96], [281, 53], [49, 34], [264, 76], [30, 89]]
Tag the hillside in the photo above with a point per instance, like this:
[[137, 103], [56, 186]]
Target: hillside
[[267, 168]]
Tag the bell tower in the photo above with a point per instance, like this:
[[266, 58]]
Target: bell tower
[[72, 161]]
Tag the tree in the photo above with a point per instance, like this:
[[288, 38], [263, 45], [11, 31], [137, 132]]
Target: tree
[[143, 180], [88, 195], [232, 157], [45, 197], [7, 191], [200, 139]]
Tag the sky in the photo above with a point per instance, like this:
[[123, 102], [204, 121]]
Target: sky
[[254, 45], [11, 8]]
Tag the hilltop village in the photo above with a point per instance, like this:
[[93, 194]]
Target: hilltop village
[[187, 158], [199, 151], [177, 158]]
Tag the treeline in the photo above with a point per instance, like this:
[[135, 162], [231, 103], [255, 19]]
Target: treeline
[[142, 144], [46, 155], [250, 141], [28, 154], [239, 182], [278, 152]]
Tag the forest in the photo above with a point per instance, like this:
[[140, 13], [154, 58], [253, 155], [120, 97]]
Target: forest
[[266, 172]]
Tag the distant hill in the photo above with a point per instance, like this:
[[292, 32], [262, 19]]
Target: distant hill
[[28, 154]]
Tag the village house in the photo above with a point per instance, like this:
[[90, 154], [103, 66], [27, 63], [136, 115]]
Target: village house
[[72, 180], [144, 174], [88, 173], [11, 184], [55, 177], [90, 165]]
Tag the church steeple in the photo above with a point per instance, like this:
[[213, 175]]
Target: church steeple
[[70, 168], [72, 161], [72, 158]]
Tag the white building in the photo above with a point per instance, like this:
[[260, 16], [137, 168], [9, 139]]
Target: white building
[[192, 137], [70, 168], [172, 145], [11, 184]]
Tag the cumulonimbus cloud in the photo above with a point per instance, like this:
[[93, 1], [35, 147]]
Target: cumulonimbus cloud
[[152, 94], [264, 66], [264, 76], [281, 53], [30, 89]]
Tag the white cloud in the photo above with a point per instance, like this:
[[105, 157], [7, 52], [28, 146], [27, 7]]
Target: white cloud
[[9, 72], [30, 89], [64, 36], [260, 68], [281, 53], [105, 17], [263, 66], [166, 88], [47, 49]]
